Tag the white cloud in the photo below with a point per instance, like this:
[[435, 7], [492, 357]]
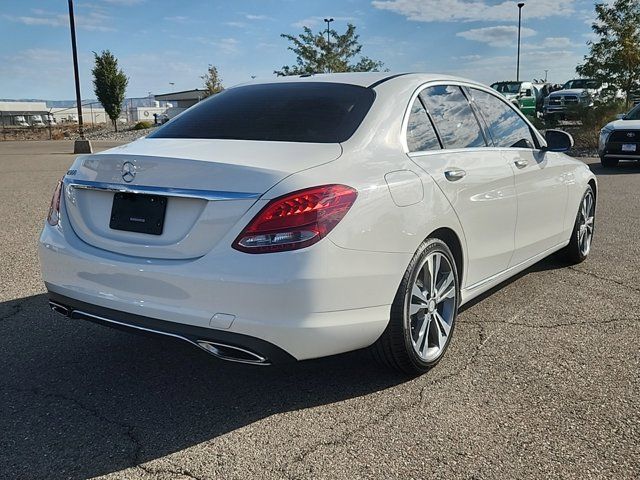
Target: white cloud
[[93, 21], [560, 64], [314, 21], [556, 43], [249, 16], [177, 19], [473, 10], [126, 3], [499, 36], [225, 46]]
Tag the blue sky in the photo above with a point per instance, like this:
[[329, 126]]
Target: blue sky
[[162, 41]]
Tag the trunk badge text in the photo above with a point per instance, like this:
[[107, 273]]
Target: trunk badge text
[[128, 172]]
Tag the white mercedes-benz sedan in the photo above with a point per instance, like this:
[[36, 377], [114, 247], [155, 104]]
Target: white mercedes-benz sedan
[[304, 217]]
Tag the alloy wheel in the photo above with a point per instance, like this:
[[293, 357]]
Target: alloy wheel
[[431, 307], [585, 228]]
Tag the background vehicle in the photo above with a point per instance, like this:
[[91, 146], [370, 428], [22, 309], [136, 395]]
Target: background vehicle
[[20, 121], [36, 121], [527, 96], [577, 92], [309, 216], [620, 139]]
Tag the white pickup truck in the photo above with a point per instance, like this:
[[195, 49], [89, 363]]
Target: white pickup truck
[[576, 92]]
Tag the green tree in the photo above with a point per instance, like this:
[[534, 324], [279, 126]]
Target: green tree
[[109, 84], [614, 57], [212, 81], [314, 54]]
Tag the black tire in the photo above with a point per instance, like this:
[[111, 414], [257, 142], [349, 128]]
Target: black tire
[[572, 253], [609, 162], [394, 348]]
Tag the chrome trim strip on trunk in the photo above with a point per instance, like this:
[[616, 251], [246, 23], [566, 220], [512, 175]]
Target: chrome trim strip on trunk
[[210, 195]]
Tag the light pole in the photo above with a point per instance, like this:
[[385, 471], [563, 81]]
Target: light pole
[[545, 75], [328, 21], [520, 5], [82, 145]]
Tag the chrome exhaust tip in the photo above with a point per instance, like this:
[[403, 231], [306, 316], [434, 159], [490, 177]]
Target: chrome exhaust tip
[[58, 308], [231, 353]]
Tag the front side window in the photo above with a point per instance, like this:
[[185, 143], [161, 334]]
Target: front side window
[[582, 83], [506, 127], [420, 133], [316, 112], [452, 114], [507, 87]]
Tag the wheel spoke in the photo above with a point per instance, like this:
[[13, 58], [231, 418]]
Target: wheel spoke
[[444, 326], [418, 300], [446, 288], [431, 269], [443, 329], [424, 328]]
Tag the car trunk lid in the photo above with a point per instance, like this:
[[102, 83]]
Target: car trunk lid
[[208, 185]]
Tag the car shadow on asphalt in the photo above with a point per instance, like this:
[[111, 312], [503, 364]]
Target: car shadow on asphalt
[[623, 168], [79, 400]]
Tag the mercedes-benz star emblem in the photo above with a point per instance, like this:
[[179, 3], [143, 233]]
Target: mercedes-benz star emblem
[[128, 172]]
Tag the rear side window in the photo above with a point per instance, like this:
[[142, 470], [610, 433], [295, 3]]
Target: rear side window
[[420, 133], [452, 114], [506, 127], [317, 112]]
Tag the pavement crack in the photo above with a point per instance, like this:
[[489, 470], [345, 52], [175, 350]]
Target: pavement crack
[[608, 279], [15, 309], [343, 439], [555, 325], [129, 429]]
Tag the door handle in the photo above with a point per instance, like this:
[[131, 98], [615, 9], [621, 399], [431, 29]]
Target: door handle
[[454, 174], [521, 163]]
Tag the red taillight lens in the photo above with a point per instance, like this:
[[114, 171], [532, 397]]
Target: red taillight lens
[[296, 220], [54, 209]]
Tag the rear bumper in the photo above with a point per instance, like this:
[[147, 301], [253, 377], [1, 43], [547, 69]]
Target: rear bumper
[[224, 345], [310, 303]]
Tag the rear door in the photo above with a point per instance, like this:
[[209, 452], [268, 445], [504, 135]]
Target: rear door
[[539, 181], [477, 180]]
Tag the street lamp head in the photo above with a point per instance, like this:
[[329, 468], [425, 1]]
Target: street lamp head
[[521, 4], [328, 20]]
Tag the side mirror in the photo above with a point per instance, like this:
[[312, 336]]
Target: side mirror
[[620, 116], [558, 141]]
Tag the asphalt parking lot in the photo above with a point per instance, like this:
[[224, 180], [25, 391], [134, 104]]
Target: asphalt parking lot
[[542, 379]]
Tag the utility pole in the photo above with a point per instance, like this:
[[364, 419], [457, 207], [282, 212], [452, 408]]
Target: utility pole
[[328, 21], [82, 145], [520, 5]]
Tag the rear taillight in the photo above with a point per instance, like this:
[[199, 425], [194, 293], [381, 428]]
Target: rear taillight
[[54, 209], [296, 220]]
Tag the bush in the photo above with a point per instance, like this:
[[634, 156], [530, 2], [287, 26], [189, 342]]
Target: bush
[[592, 119], [142, 125]]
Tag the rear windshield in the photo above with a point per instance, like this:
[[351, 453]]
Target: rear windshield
[[582, 83], [315, 112]]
